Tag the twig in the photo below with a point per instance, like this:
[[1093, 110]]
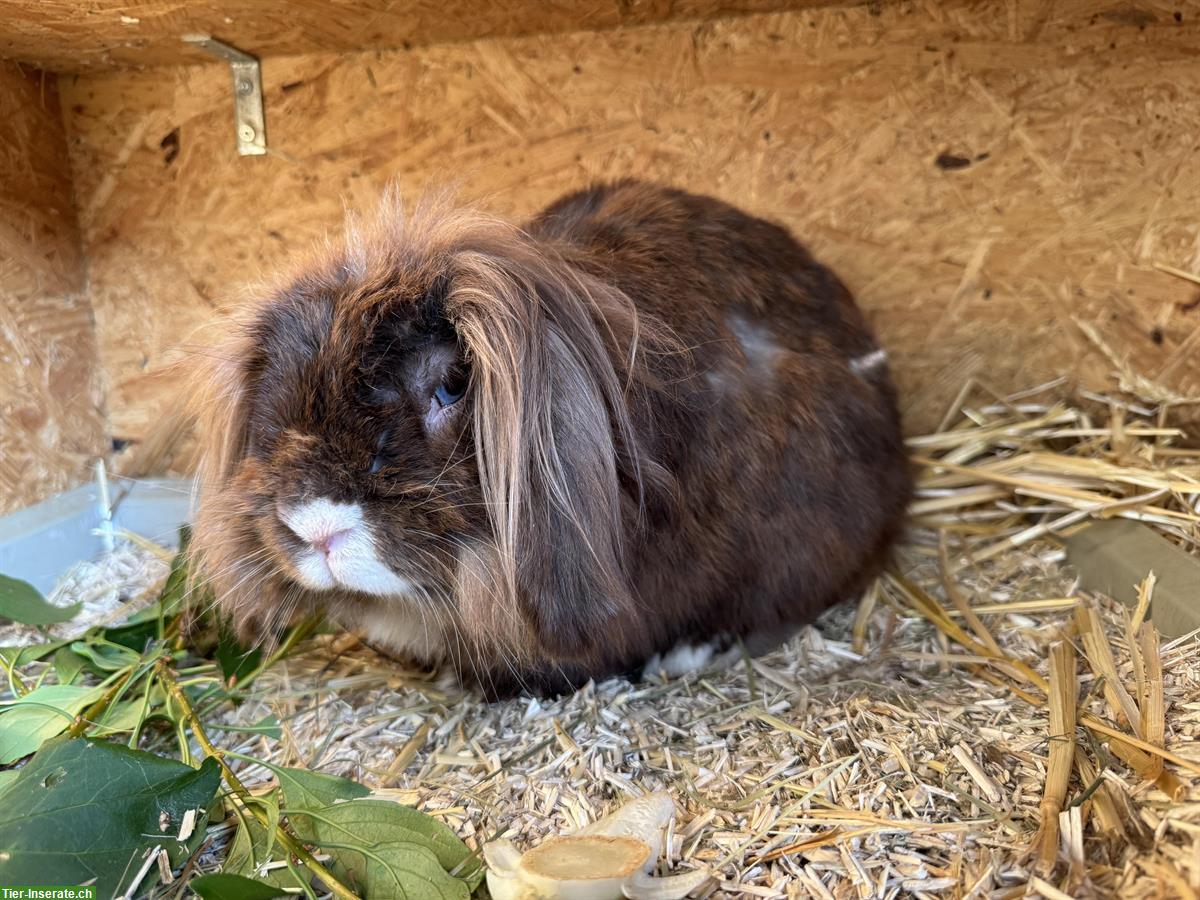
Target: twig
[[1064, 685], [16, 684], [960, 602], [88, 716], [1130, 745], [406, 755], [150, 860]]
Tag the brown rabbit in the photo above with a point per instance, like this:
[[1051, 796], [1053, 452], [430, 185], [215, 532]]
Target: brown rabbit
[[546, 454]]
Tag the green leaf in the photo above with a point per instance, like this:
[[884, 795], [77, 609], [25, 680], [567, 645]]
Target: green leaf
[[236, 660], [7, 777], [233, 887], [106, 656], [41, 714], [391, 850], [124, 717], [254, 847], [135, 632], [248, 850], [22, 602], [84, 809], [19, 656], [303, 789], [147, 615], [271, 826], [68, 664]]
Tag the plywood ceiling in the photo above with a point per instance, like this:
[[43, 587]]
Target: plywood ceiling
[[82, 35]]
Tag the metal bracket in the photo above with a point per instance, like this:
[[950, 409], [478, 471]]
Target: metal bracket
[[247, 92]]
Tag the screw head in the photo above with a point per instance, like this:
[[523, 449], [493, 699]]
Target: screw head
[[244, 86], [245, 133]]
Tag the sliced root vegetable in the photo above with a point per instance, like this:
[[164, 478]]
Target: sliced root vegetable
[[643, 818], [584, 857], [501, 855], [671, 887], [607, 860]]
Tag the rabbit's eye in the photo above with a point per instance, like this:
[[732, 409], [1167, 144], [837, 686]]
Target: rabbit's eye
[[451, 390], [447, 396]]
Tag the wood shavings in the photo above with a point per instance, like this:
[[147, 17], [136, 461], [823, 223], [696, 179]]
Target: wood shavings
[[110, 588], [862, 758], [187, 826]]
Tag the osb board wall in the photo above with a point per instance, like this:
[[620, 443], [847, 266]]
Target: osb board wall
[[1067, 134], [50, 419], [78, 35]]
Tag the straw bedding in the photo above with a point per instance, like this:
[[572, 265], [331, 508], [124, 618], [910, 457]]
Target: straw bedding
[[922, 743]]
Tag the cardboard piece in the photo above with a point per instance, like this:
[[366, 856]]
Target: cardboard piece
[[1113, 557]]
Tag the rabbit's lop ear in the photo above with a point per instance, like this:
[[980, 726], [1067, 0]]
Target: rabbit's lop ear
[[552, 431]]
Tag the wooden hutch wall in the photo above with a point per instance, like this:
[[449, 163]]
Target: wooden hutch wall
[[51, 424], [995, 180]]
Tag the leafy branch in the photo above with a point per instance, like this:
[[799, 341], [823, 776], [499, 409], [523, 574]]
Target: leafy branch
[[293, 846], [110, 809]]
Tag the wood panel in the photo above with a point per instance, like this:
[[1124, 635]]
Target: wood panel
[[77, 35], [51, 423], [985, 176]]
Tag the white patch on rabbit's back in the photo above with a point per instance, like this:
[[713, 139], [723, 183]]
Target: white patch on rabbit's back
[[869, 362], [350, 560], [758, 344], [716, 380]]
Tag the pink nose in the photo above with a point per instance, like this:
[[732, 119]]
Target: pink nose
[[327, 543]]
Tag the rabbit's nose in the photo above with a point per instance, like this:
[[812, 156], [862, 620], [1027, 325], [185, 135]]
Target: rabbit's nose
[[328, 542]]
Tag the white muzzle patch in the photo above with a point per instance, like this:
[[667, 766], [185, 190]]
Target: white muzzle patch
[[340, 550]]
